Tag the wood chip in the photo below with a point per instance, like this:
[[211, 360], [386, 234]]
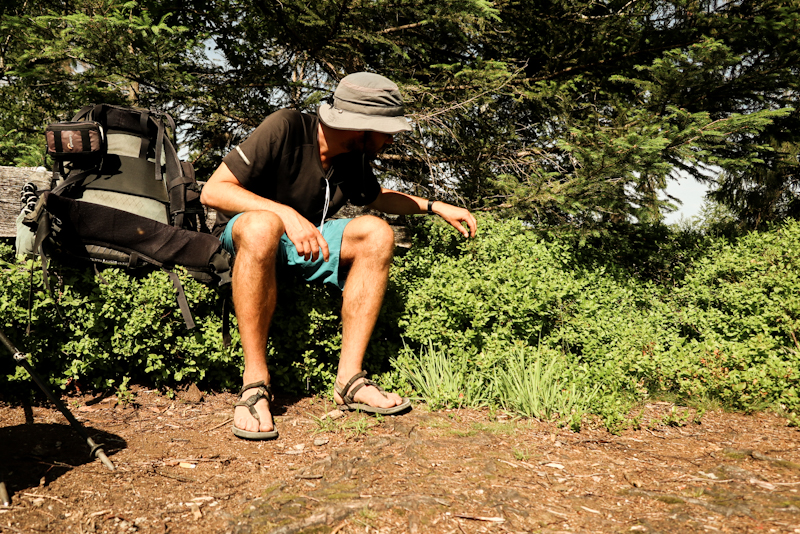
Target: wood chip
[[179, 478], [44, 496], [548, 510], [554, 465], [481, 518], [101, 512], [590, 510], [333, 414], [526, 464], [761, 484]]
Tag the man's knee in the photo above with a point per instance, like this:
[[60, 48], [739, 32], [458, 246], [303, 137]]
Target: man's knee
[[371, 235], [257, 232]]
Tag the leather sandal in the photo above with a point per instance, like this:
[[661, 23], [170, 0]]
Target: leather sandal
[[264, 392], [348, 393]]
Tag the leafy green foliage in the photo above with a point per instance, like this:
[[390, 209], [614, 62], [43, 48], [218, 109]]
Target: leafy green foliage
[[541, 325], [724, 330], [114, 329], [542, 385], [444, 382], [125, 328]]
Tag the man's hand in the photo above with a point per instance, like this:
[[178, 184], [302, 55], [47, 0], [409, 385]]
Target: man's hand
[[306, 237], [224, 193], [456, 216]]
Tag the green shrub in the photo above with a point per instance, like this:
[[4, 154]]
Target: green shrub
[[124, 328], [546, 327], [724, 328], [739, 310]]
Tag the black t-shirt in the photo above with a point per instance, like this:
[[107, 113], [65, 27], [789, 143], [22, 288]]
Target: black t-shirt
[[280, 161]]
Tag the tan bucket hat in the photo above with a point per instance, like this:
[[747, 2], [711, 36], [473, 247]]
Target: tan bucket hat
[[364, 101]]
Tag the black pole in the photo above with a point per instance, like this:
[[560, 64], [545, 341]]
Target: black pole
[[21, 359]]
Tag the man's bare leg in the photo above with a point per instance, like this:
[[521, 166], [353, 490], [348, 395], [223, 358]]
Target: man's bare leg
[[256, 235], [367, 247]]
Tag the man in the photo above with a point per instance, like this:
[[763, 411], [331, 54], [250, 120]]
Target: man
[[272, 194]]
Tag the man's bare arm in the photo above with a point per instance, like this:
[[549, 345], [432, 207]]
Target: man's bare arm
[[224, 193], [398, 203]]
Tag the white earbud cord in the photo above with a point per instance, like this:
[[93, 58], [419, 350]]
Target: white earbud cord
[[327, 202], [327, 197]]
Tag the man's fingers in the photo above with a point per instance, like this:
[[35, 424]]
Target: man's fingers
[[473, 225], [303, 249], [311, 248], [458, 224], [324, 246]]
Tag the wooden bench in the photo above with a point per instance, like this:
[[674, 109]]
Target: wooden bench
[[11, 181]]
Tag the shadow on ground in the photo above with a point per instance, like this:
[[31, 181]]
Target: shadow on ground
[[34, 455]]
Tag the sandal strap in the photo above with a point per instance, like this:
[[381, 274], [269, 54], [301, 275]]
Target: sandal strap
[[260, 383], [346, 389], [348, 395], [263, 392]]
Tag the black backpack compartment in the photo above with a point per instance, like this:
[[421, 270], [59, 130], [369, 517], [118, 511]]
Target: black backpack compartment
[[132, 204]]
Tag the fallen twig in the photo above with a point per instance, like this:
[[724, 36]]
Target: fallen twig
[[480, 518], [193, 460], [44, 496], [548, 510], [101, 512], [220, 425], [174, 477]]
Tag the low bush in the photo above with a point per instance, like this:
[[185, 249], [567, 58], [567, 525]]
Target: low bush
[[543, 326], [722, 329], [108, 331]]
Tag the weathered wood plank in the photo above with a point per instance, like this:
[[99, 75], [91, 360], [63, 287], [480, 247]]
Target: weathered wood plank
[[11, 181]]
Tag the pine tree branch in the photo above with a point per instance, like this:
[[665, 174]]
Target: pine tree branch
[[587, 66], [404, 27]]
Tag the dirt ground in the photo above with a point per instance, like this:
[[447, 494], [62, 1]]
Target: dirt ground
[[179, 469]]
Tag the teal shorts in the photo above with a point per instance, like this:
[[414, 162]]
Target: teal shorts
[[312, 271]]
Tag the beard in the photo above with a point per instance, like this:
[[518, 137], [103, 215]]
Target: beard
[[366, 144]]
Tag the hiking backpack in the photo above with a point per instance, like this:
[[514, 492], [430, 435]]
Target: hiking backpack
[[121, 196]]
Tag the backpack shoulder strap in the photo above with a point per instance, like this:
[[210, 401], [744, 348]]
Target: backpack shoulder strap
[[87, 112]]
